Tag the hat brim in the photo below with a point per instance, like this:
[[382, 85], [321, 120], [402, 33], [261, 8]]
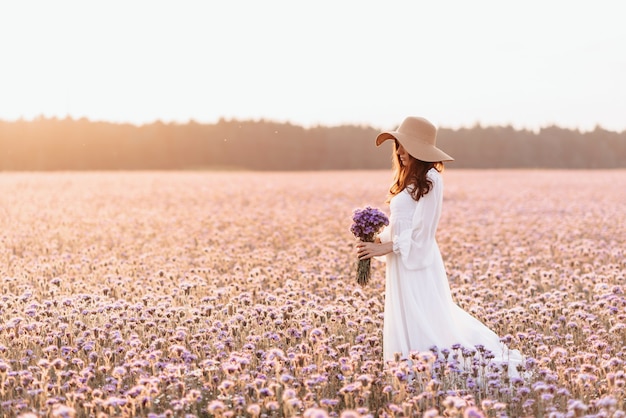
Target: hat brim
[[416, 148]]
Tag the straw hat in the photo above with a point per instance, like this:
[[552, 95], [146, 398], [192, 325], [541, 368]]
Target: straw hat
[[418, 137]]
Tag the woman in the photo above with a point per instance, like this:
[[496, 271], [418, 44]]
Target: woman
[[419, 310]]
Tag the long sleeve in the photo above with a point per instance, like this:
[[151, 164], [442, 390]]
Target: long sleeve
[[414, 237], [385, 234]]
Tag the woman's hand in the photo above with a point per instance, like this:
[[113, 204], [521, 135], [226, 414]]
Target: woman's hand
[[367, 250]]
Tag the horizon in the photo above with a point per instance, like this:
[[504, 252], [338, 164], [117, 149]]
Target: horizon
[[271, 121]]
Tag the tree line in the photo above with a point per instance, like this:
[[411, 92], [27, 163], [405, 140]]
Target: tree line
[[80, 144]]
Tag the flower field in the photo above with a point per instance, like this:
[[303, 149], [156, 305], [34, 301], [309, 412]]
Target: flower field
[[193, 294]]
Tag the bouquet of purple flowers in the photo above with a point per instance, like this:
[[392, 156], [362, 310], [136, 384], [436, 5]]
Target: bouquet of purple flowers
[[366, 224]]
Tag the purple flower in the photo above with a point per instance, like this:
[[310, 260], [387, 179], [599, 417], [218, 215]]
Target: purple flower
[[473, 412], [367, 223]]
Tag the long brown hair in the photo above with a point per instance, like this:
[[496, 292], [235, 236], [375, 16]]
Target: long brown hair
[[413, 175]]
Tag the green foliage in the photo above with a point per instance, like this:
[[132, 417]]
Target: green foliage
[[68, 144]]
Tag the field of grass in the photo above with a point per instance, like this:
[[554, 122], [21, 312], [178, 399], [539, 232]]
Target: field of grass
[[233, 294]]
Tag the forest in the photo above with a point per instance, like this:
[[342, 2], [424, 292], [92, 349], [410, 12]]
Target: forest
[[46, 144]]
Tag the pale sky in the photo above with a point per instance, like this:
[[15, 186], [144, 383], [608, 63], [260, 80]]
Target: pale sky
[[522, 63]]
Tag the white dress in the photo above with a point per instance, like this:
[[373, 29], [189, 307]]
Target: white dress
[[419, 310]]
